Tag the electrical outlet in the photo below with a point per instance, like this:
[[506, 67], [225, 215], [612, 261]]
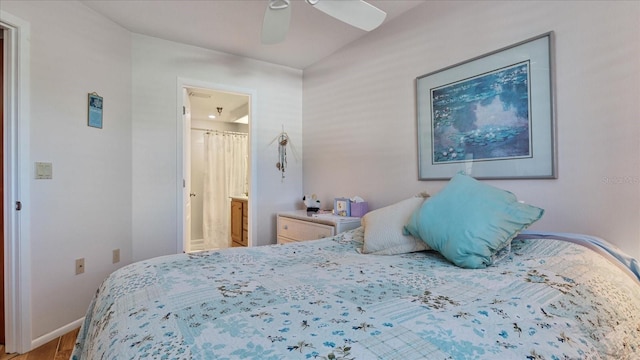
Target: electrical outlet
[[116, 256], [79, 266]]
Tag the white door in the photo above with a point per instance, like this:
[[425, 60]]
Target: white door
[[186, 176]]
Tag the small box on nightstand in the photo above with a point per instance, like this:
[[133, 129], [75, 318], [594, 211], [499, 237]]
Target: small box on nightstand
[[358, 209]]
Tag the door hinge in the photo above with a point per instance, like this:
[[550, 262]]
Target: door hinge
[[184, 110], [18, 206]]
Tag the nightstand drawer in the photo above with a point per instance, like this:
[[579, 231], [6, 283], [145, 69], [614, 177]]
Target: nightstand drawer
[[302, 230], [284, 240]]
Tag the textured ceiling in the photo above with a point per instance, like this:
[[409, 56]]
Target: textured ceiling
[[234, 26]]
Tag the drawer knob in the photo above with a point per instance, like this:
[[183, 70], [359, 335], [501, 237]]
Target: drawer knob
[[286, 227]]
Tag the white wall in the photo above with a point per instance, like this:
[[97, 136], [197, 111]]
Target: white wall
[[85, 210], [359, 119], [120, 181], [157, 66]]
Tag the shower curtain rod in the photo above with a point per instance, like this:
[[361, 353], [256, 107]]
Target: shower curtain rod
[[220, 131]]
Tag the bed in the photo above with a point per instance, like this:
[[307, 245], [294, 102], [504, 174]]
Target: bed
[[456, 276], [554, 296]]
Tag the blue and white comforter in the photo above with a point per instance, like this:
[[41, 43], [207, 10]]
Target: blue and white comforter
[[548, 299]]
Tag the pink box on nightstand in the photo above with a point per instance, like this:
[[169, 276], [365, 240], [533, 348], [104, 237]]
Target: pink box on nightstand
[[358, 209]]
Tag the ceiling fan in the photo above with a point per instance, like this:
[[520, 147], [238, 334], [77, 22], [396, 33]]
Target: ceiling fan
[[357, 13]]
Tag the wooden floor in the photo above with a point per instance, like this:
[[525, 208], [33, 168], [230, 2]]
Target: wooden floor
[[56, 349]]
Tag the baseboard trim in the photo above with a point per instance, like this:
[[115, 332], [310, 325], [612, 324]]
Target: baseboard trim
[[56, 333]]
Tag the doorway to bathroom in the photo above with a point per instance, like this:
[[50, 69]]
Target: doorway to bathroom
[[217, 161]]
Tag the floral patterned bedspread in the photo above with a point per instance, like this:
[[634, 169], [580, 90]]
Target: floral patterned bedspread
[[548, 299]]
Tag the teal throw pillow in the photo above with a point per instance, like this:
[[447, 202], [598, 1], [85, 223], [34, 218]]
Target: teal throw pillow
[[469, 222]]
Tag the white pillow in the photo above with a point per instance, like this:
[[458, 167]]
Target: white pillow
[[383, 229]]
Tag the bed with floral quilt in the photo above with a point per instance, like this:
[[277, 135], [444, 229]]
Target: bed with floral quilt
[[454, 276], [324, 299]]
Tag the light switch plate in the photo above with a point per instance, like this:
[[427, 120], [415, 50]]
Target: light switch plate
[[44, 170]]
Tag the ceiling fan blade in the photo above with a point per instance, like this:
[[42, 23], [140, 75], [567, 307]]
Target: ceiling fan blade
[[357, 13], [275, 24]]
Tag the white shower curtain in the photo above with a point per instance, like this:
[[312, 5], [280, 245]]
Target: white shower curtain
[[225, 175]]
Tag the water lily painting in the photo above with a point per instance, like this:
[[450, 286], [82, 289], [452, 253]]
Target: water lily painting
[[483, 118], [490, 117]]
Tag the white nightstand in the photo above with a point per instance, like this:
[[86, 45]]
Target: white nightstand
[[300, 226]]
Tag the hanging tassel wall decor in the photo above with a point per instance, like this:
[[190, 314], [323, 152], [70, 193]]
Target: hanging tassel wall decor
[[283, 140]]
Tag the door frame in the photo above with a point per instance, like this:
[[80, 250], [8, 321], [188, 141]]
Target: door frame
[[182, 150], [186, 164], [17, 241]]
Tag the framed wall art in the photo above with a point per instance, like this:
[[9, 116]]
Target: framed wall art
[[94, 117], [342, 206], [491, 117]]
